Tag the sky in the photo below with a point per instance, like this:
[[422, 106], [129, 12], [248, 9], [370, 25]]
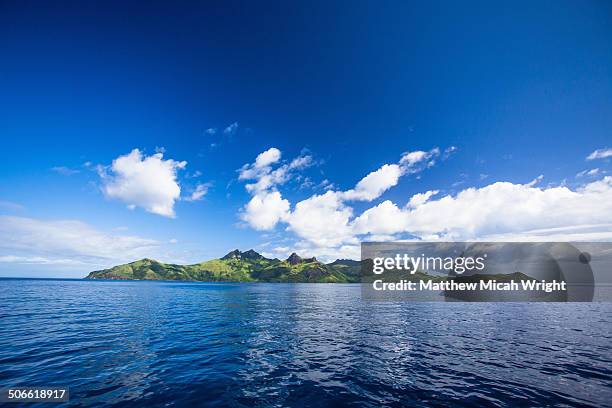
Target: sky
[[180, 131]]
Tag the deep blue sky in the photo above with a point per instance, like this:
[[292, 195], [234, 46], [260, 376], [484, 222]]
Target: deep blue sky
[[520, 88]]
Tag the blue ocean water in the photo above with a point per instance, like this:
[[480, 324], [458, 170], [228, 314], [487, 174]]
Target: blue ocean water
[[198, 344]]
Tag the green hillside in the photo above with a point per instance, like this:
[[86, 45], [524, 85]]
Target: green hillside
[[237, 266]]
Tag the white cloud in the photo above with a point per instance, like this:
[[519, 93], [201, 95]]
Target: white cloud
[[326, 226], [515, 209], [412, 158], [448, 151], [575, 233], [498, 210], [536, 180], [211, 131], [301, 162], [326, 185], [269, 180], [30, 240], [417, 161], [385, 218], [262, 170], [322, 219], [375, 183], [264, 183], [231, 129], [261, 166], [265, 210], [588, 173], [421, 198], [199, 193], [65, 171], [600, 154], [267, 207], [270, 156], [325, 221], [38, 260], [149, 182], [305, 183], [307, 249]]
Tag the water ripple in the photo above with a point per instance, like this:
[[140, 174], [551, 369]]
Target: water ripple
[[176, 344]]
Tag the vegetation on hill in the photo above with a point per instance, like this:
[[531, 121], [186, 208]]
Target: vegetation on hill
[[249, 266], [237, 266]]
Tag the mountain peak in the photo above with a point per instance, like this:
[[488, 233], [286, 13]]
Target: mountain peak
[[236, 254], [251, 254], [294, 259], [233, 254], [237, 266], [345, 262]]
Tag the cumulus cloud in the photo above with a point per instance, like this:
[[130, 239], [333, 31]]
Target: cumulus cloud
[[417, 161], [267, 206], [261, 166], [600, 154], [326, 220], [325, 223], [30, 240], [322, 219], [421, 198], [149, 182], [505, 208], [266, 178], [375, 183], [498, 211], [265, 210], [385, 218], [270, 156], [412, 158], [326, 253], [268, 181], [307, 249]]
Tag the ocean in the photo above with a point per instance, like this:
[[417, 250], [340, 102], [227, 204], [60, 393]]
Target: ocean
[[180, 344]]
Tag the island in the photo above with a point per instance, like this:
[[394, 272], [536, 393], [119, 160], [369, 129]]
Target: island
[[237, 266]]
